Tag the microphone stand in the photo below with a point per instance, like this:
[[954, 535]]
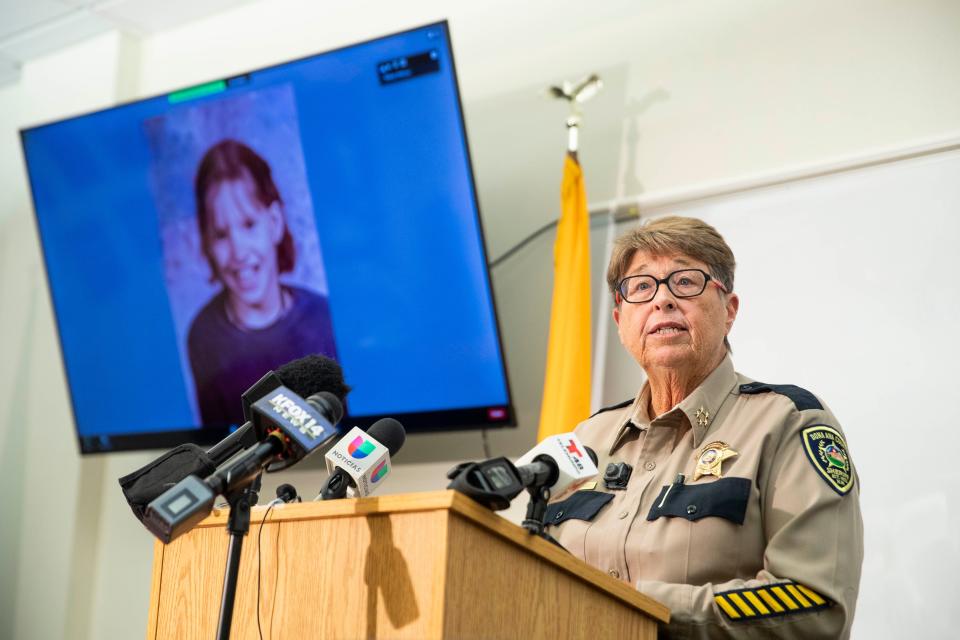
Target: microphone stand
[[238, 525], [537, 511]]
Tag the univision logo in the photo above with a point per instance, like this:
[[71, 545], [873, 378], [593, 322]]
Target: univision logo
[[379, 472], [360, 448]]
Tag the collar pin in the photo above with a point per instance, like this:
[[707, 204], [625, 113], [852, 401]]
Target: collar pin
[[703, 417]]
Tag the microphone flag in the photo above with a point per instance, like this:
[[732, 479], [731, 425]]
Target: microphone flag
[[303, 426], [364, 459], [573, 462]]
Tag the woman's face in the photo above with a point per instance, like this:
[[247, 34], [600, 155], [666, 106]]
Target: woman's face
[[242, 237], [683, 334]]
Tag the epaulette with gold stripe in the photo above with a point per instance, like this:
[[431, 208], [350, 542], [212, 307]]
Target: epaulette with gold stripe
[[781, 599]]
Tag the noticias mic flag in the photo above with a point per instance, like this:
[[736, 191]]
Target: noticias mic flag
[[363, 458], [566, 388]]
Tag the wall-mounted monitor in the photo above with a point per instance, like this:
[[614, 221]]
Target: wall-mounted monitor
[[195, 240]]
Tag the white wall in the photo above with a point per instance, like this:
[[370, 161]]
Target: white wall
[[48, 502], [697, 91]]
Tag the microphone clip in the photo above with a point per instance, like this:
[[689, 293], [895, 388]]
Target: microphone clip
[[536, 509], [493, 483]]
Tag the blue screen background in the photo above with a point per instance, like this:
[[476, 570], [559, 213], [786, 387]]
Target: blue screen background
[[389, 175]]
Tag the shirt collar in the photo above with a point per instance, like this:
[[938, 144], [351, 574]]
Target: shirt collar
[[699, 408]]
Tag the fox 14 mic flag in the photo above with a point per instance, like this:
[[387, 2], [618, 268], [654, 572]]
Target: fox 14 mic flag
[[566, 387]]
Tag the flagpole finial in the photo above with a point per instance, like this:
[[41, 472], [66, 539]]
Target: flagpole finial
[[573, 133], [576, 93]]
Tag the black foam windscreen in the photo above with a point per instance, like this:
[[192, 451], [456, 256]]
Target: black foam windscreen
[[310, 374], [287, 493], [332, 407], [388, 432]]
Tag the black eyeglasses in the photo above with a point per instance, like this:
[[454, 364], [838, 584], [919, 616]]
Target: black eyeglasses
[[685, 283]]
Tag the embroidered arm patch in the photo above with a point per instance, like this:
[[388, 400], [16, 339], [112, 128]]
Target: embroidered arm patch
[[773, 600], [827, 451]]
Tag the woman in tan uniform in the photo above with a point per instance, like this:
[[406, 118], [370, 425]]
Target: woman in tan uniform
[[733, 502]]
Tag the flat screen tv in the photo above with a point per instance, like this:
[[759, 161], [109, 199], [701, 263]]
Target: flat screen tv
[[195, 240]]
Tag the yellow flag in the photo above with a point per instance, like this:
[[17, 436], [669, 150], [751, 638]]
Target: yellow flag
[[566, 387]]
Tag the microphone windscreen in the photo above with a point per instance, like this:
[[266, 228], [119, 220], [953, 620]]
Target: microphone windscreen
[[388, 432], [332, 406], [311, 374], [287, 492]]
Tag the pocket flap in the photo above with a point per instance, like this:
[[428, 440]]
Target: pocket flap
[[723, 498], [582, 505]]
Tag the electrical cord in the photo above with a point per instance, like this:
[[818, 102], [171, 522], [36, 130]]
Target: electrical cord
[[493, 264], [270, 507]]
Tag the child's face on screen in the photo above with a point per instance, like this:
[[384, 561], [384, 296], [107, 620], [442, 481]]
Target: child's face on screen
[[242, 239]]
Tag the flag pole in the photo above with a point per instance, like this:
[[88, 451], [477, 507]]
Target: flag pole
[[567, 381]]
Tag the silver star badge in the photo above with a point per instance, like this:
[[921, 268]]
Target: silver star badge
[[703, 417]]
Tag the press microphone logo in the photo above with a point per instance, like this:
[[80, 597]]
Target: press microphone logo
[[290, 410], [360, 448], [379, 472], [574, 455]]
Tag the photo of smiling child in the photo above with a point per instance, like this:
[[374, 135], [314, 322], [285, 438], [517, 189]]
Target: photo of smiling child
[[242, 256]]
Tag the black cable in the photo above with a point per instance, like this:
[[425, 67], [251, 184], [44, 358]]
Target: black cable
[[536, 234], [259, 558], [520, 245], [486, 443]]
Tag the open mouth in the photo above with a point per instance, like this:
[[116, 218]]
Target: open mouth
[[246, 276], [668, 329]]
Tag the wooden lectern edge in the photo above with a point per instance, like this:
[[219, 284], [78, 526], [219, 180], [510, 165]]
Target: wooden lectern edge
[[463, 506], [154, 612]]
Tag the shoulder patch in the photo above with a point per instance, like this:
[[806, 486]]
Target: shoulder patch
[[802, 399], [827, 451], [619, 405]]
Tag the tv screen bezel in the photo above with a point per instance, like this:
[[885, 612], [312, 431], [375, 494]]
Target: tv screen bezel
[[441, 421]]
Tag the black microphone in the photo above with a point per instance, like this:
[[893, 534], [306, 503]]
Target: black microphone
[[303, 376], [286, 493], [354, 460], [290, 429], [552, 467], [545, 472]]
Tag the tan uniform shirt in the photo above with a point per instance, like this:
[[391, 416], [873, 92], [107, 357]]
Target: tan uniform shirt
[[770, 548]]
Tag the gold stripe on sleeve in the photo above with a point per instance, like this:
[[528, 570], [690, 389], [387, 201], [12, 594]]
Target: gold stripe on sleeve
[[755, 601], [813, 595], [737, 600], [799, 596], [785, 598], [729, 610], [770, 600]]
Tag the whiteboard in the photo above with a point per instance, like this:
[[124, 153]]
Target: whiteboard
[[849, 286]]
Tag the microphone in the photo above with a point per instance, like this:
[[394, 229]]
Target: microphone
[[286, 493], [554, 465], [289, 427], [557, 463], [361, 461], [304, 376]]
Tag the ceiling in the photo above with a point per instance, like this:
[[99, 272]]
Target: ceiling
[[32, 28]]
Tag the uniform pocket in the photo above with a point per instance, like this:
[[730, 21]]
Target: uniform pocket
[[723, 498], [582, 505]]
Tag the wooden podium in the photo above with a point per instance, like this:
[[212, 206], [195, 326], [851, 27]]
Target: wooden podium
[[426, 565]]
